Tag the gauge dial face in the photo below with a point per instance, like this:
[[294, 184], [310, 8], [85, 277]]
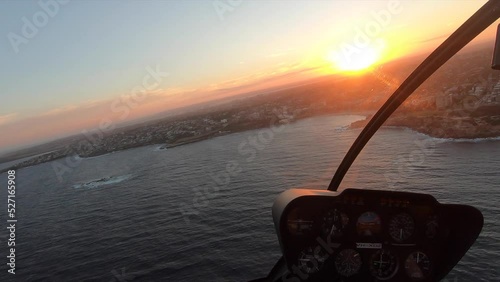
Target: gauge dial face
[[348, 262], [383, 265], [369, 224], [401, 227], [418, 266], [334, 223], [311, 260]]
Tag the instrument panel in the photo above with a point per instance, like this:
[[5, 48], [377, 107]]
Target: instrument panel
[[368, 235]]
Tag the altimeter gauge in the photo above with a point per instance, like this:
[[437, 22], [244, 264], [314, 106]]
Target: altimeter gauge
[[334, 223], [401, 227]]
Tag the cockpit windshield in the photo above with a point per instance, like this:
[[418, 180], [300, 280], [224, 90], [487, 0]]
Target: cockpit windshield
[[147, 141]]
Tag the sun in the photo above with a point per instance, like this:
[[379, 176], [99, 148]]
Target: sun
[[355, 60]]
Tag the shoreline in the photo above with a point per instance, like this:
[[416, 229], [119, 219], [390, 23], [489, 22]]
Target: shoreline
[[443, 139], [399, 121], [440, 127]]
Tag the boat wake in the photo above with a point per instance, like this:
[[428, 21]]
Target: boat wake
[[161, 148], [102, 182]]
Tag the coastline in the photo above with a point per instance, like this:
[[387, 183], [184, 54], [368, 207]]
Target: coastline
[[230, 129], [441, 127], [434, 127]]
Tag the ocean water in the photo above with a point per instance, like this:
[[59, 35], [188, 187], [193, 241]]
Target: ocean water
[[202, 212]]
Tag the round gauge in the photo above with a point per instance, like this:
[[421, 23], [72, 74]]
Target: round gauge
[[369, 224], [401, 227], [334, 223], [418, 266], [348, 262], [311, 260], [383, 265]]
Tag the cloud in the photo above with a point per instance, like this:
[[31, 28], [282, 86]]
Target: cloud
[[72, 108], [73, 118], [61, 110], [7, 118]]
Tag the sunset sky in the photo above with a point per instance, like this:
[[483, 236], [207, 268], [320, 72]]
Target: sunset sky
[[85, 58]]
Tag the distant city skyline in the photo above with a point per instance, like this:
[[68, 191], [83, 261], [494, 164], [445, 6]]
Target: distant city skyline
[[75, 65]]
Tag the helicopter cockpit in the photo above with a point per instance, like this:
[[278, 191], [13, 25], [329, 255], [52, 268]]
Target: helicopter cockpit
[[362, 235], [377, 235]]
